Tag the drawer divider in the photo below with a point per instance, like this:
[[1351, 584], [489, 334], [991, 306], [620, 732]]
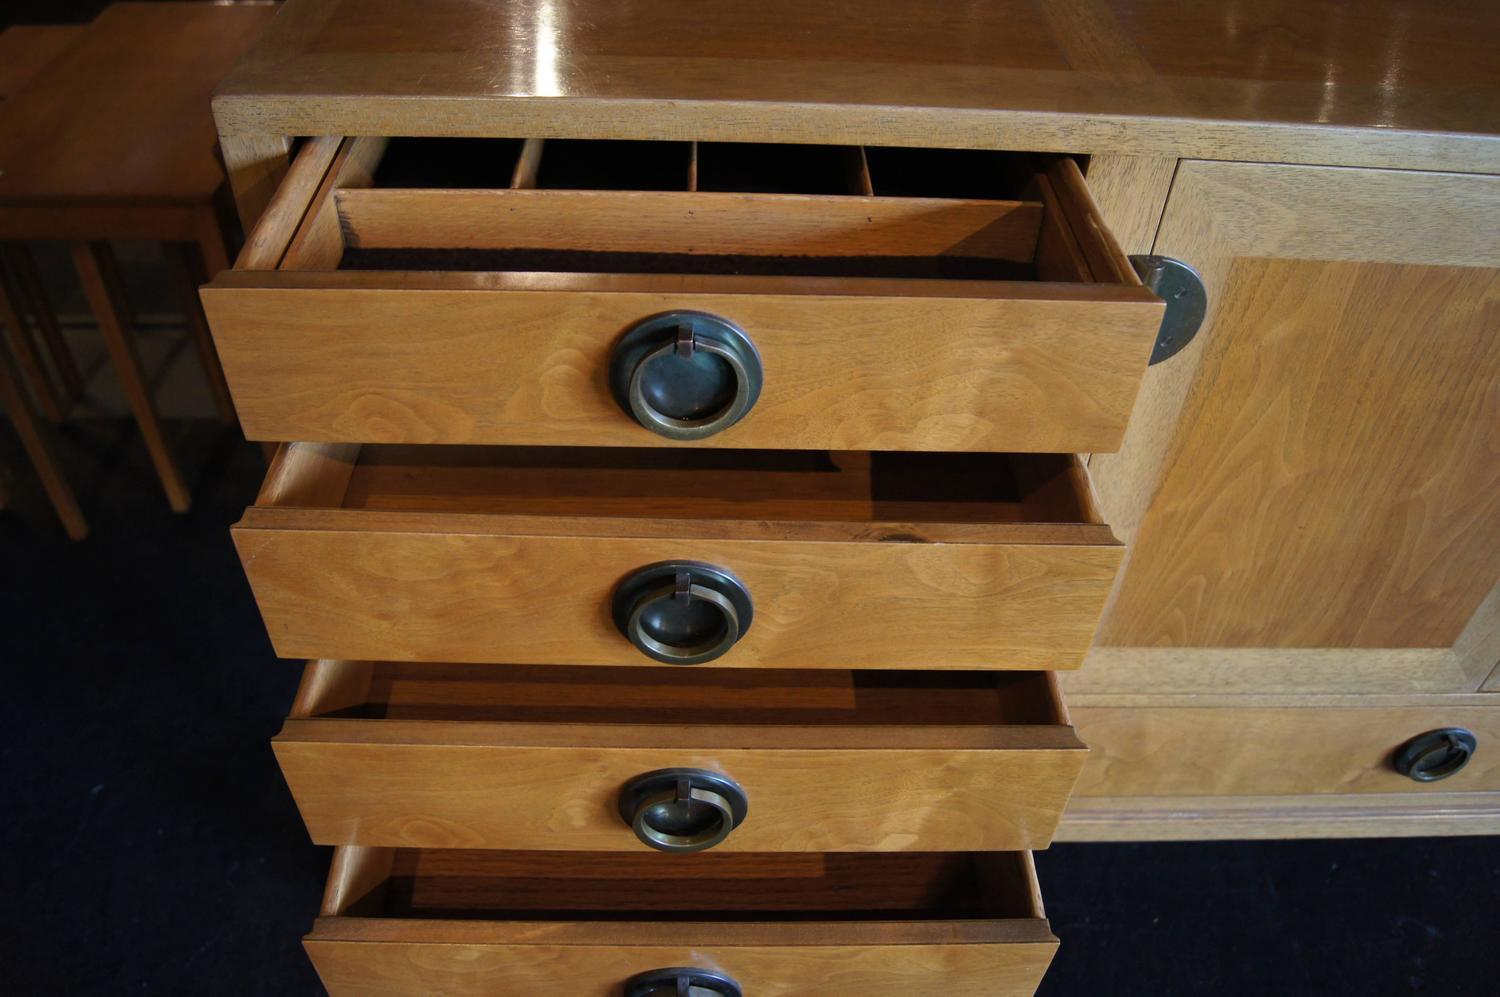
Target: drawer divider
[[1106, 262], [297, 195], [319, 243], [858, 166], [309, 474], [357, 872], [528, 164]]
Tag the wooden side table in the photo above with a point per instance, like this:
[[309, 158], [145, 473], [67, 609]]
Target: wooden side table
[[25, 50], [113, 138]]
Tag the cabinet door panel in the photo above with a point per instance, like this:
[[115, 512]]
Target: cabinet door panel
[[1320, 471]]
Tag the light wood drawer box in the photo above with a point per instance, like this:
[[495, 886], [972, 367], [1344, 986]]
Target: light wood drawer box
[[485, 756], [514, 555], [1139, 750], [461, 310], [877, 925]]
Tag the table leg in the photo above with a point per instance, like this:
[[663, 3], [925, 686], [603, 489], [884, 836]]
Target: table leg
[[96, 268], [187, 271], [46, 320], [33, 372], [39, 449]]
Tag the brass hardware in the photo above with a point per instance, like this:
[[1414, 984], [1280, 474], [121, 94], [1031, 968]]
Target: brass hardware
[[683, 810], [686, 375], [682, 612]]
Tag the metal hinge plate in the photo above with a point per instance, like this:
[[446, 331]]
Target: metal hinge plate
[[1182, 289]]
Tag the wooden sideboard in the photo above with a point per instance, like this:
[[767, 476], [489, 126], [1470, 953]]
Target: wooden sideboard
[[1287, 533]]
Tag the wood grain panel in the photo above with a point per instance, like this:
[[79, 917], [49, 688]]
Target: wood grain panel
[[1131, 192], [1266, 751], [356, 966], [1222, 212], [1158, 671], [471, 592], [723, 224], [1339, 485], [1316, 471], [380, 783], [1324, 815], [848, 365], [445, 756]]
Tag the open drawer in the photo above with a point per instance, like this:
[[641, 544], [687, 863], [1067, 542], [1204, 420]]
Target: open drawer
[[618, 293], [587, 925], [569, 758], [600, 556]]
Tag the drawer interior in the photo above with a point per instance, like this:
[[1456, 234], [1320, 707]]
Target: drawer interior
[[462, 884], [724, 167], [702, 697], [528, 206], [852, 487]]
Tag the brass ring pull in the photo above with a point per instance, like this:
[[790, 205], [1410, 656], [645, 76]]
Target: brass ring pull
[[682, 612], [691, 654], [683, 810], [686, 375], [682, 981], [1437, 754]]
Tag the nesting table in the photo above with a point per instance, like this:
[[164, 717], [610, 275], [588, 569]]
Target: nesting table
[[109, 135]]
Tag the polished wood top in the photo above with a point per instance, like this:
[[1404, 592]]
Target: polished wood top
[[1362, 82], [122, 112], [27, 49]]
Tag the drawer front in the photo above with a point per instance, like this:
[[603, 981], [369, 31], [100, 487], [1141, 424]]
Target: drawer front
[[417, 314], [350, 962], [353, 787], [805, 942], [462, 361], [352, 586], [1270, 751], [507, 757]]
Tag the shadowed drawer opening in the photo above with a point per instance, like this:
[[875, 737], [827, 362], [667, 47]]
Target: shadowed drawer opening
[[762, 485], [701, 698], [604, 886], [688, 208], [728, 167], [515, 313]]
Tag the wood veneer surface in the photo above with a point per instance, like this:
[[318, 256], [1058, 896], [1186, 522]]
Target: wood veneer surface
[[1285, 80]]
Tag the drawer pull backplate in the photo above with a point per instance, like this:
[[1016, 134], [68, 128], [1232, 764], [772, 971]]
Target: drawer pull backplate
[[682, 612], [683, 810], [1437, 754], [686, 375]]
